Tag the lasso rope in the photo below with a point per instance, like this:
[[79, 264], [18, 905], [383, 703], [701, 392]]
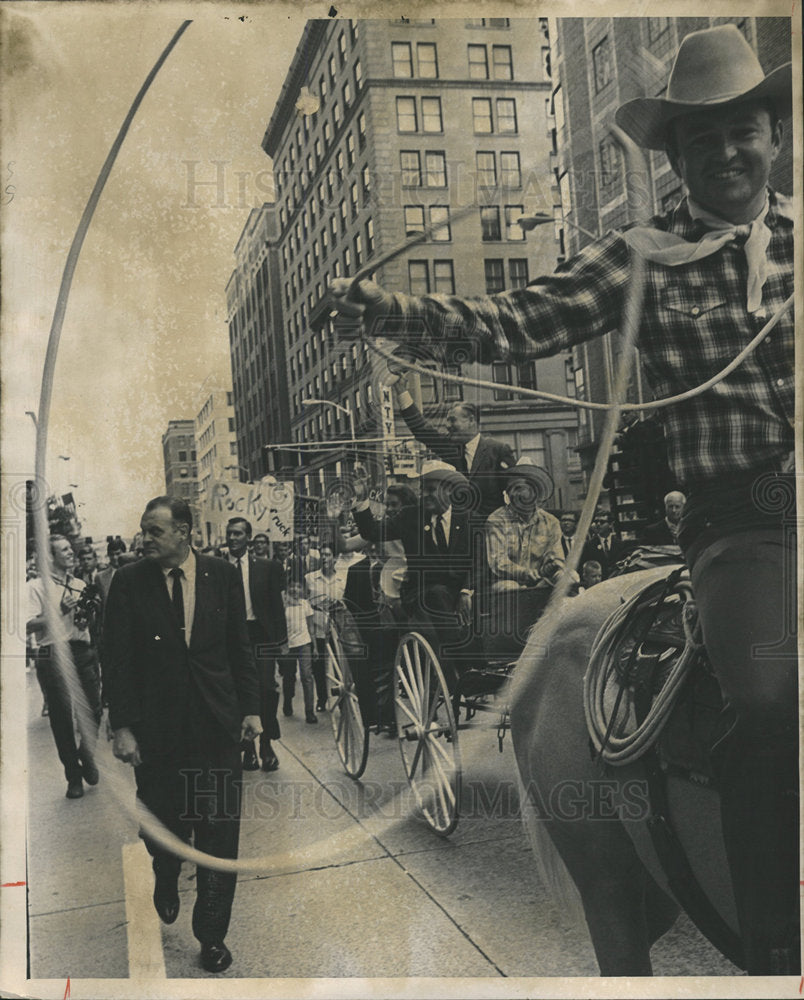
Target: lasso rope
[[612, 748], [583, 404]]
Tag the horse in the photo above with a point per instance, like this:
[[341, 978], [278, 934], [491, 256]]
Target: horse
[[586, 822]]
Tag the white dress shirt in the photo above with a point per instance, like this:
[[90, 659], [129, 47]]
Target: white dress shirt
[[188, 569], [243, 560]]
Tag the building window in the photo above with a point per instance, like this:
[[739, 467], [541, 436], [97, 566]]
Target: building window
[[435, 167], [336, 114], [518, 271], [512, 229], [526, 375], [406, 120], [506, 114], [510, 173], [358, 250], [342, 48], [361, 129], [347, 95], [402, 59], [439, 216], [478, 62], [410, 166], [546, 66], [427, 59], [601, 64], [414, 219], [443, 277], [370, 237], [418, 277], [501, 373], [453, 391], [353, 198], [502, 62], [486, 169], [347, 260], [610, 167], [322, 86], [183, 458], [490, 223], [327, 133], [431, 114], [365, 178], [495, 276], [332, 70], [481, 115]]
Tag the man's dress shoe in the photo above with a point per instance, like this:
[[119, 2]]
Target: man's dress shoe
[[90, 771], [270, 763], [215, 957], [166, 901], [251, 761], [75, 789]]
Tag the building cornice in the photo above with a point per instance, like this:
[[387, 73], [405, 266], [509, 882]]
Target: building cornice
[[312, 38]]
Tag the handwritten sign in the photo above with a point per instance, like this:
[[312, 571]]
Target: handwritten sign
[[267, 506]]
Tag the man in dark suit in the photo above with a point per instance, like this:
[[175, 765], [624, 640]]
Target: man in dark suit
[[263, 582], [183, 693], [605, 547], [437, 591], [483, 460], [665, 532]]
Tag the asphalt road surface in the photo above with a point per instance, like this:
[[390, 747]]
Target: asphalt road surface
[[355, 885]]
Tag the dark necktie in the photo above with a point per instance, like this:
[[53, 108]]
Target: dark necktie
[[440, 535], [177, 598], [240, 574]]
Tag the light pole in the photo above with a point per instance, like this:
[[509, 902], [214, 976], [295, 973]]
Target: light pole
[[343, 409]]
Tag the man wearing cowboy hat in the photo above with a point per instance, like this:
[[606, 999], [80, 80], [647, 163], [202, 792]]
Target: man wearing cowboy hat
[[523, 542], [718, 265]]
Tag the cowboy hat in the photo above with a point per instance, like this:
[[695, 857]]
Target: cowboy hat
[[714, 68], [536, 476], [433, 470]]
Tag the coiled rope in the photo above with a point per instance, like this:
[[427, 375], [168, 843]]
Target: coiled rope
[[604, 722]]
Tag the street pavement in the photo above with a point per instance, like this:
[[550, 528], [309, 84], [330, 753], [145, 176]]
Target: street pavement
[[354, 884]]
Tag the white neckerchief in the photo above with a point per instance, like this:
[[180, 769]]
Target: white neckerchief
[[672, 250]]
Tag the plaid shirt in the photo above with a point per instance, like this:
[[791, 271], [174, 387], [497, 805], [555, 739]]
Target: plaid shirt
[[694, 322], [515, 548]]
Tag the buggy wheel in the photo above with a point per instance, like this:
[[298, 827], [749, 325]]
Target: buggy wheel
[[351, 733], [428, 736]]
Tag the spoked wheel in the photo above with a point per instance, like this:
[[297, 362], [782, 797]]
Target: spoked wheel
[[351, 733], [428, 736]]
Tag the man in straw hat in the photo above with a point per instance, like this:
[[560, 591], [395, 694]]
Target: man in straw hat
[[523, 542], [718, 265]]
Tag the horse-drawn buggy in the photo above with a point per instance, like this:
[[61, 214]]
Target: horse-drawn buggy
[[436, 691]]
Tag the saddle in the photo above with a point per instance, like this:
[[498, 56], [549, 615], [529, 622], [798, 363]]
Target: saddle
[[649, 684]]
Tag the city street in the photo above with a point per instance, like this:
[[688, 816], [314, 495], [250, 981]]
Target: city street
[[358, 887]]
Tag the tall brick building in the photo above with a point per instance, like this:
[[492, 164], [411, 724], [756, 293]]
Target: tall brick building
[[383, 128]]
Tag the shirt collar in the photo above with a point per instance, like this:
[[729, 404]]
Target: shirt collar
[[187, 566]]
